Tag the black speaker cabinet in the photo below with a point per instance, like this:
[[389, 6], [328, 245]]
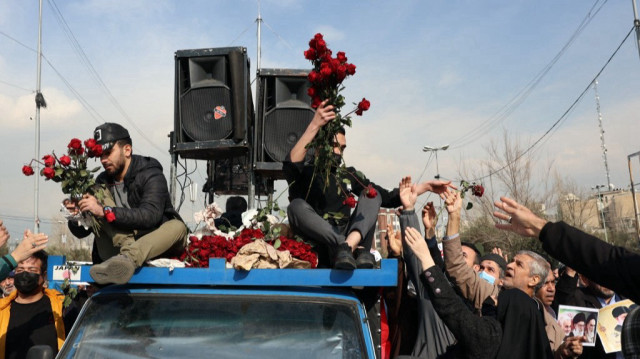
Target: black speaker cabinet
[[284, 112], [213, 105]]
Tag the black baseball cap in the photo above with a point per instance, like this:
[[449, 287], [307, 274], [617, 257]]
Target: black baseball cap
[[108, 133], [495, 258]]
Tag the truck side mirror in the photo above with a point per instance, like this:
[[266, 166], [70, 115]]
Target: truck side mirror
[[40, 352]]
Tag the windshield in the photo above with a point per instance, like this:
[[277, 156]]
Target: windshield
[[183, 326]]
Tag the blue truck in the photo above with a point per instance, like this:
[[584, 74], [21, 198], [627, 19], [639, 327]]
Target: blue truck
[[218, 312]]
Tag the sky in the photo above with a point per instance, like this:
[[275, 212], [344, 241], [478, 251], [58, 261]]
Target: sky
[[435, 72]]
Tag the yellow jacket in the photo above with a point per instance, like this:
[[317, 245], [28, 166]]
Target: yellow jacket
[[56, 299]]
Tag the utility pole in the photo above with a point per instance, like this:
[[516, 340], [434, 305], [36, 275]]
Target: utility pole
[[600, 206], [636, 23], [602, 144], [39, 103], [633, 193]]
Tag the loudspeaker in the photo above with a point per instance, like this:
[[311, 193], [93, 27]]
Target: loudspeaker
[[284, 112], [230, 176], [213, 105]]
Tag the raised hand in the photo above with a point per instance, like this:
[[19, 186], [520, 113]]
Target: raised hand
[[324, 114], [394, 241], [418, 246], [408, 194], [429, 219], [452, 200], [519, 218], [31, 243], [435, 186], [498, 251], [4, 234]]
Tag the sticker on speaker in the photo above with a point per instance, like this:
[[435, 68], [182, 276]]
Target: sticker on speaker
[[219, 112]]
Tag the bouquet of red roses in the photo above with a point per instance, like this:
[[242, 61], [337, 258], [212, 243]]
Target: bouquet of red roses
[[326, 84], [70, 170]]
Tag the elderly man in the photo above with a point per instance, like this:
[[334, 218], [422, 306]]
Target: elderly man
[[526, 272]]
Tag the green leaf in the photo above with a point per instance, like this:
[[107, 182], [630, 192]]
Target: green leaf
[[469, 205], [84, 173], [277, 243], [346, 181], [325, 216]]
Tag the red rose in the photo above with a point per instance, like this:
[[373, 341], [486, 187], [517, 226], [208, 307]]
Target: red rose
[[27, 170], [325, 70], [311, 91], [204, 254], [313, 77], [371, 192], [65, 160], [351, 69], [363, 106], [341, 57], [315, 102], [75, 144], [334, 63], [311, 54], [89, 143], [350, 201], [341, 73], [49, 161], [96, 150], [321, 46], [477, 190], [48, 172]]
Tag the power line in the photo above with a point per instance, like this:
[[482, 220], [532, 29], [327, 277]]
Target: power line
[[16, 86], [503, 113], [92, 71], [555, 126]]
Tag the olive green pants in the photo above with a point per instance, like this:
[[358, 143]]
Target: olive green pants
[[167, 240]]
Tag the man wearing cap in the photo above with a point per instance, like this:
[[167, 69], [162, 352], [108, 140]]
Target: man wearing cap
[[140, 222], [492, 268]]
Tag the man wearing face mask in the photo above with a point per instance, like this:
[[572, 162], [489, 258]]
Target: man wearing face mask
[[31, 315]]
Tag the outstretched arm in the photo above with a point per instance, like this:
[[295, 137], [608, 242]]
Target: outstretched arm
[[323, 115]]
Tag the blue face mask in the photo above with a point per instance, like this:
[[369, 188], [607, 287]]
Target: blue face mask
[[486, 277]]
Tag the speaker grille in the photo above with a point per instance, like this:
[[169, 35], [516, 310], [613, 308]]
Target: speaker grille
[[282, 129], [206, 113]]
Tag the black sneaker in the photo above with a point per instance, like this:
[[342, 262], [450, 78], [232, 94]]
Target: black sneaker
[[364, 259], [344, 258], [116, 270]]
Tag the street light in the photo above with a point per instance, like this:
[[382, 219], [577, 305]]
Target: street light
[[435, 150], [601, 208]]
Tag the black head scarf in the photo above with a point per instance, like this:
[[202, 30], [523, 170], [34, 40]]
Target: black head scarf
[[522, 321]]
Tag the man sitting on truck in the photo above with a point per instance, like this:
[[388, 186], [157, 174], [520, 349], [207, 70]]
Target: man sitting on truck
[[349, 238], [140, 221], [31, 315]]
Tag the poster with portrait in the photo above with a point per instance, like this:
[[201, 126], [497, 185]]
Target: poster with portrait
[[579, 321], [610, 324]]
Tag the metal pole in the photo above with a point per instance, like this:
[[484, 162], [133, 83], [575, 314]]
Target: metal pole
[[36, 193], [602, 143], [437, 167], [604, 224], [633, 193], [636, 23]]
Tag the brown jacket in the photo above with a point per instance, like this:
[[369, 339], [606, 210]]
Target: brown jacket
[[477, 289]]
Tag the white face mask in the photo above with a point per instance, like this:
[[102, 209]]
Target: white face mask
[[489, 278]]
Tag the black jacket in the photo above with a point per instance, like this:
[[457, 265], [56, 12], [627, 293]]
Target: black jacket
[[613, 267], [305, 184], [147, 195]]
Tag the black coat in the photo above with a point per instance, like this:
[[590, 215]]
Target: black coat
[[147, 195], [613, 267]]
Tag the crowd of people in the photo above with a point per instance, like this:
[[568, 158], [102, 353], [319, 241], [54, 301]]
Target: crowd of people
[[458, 304]]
